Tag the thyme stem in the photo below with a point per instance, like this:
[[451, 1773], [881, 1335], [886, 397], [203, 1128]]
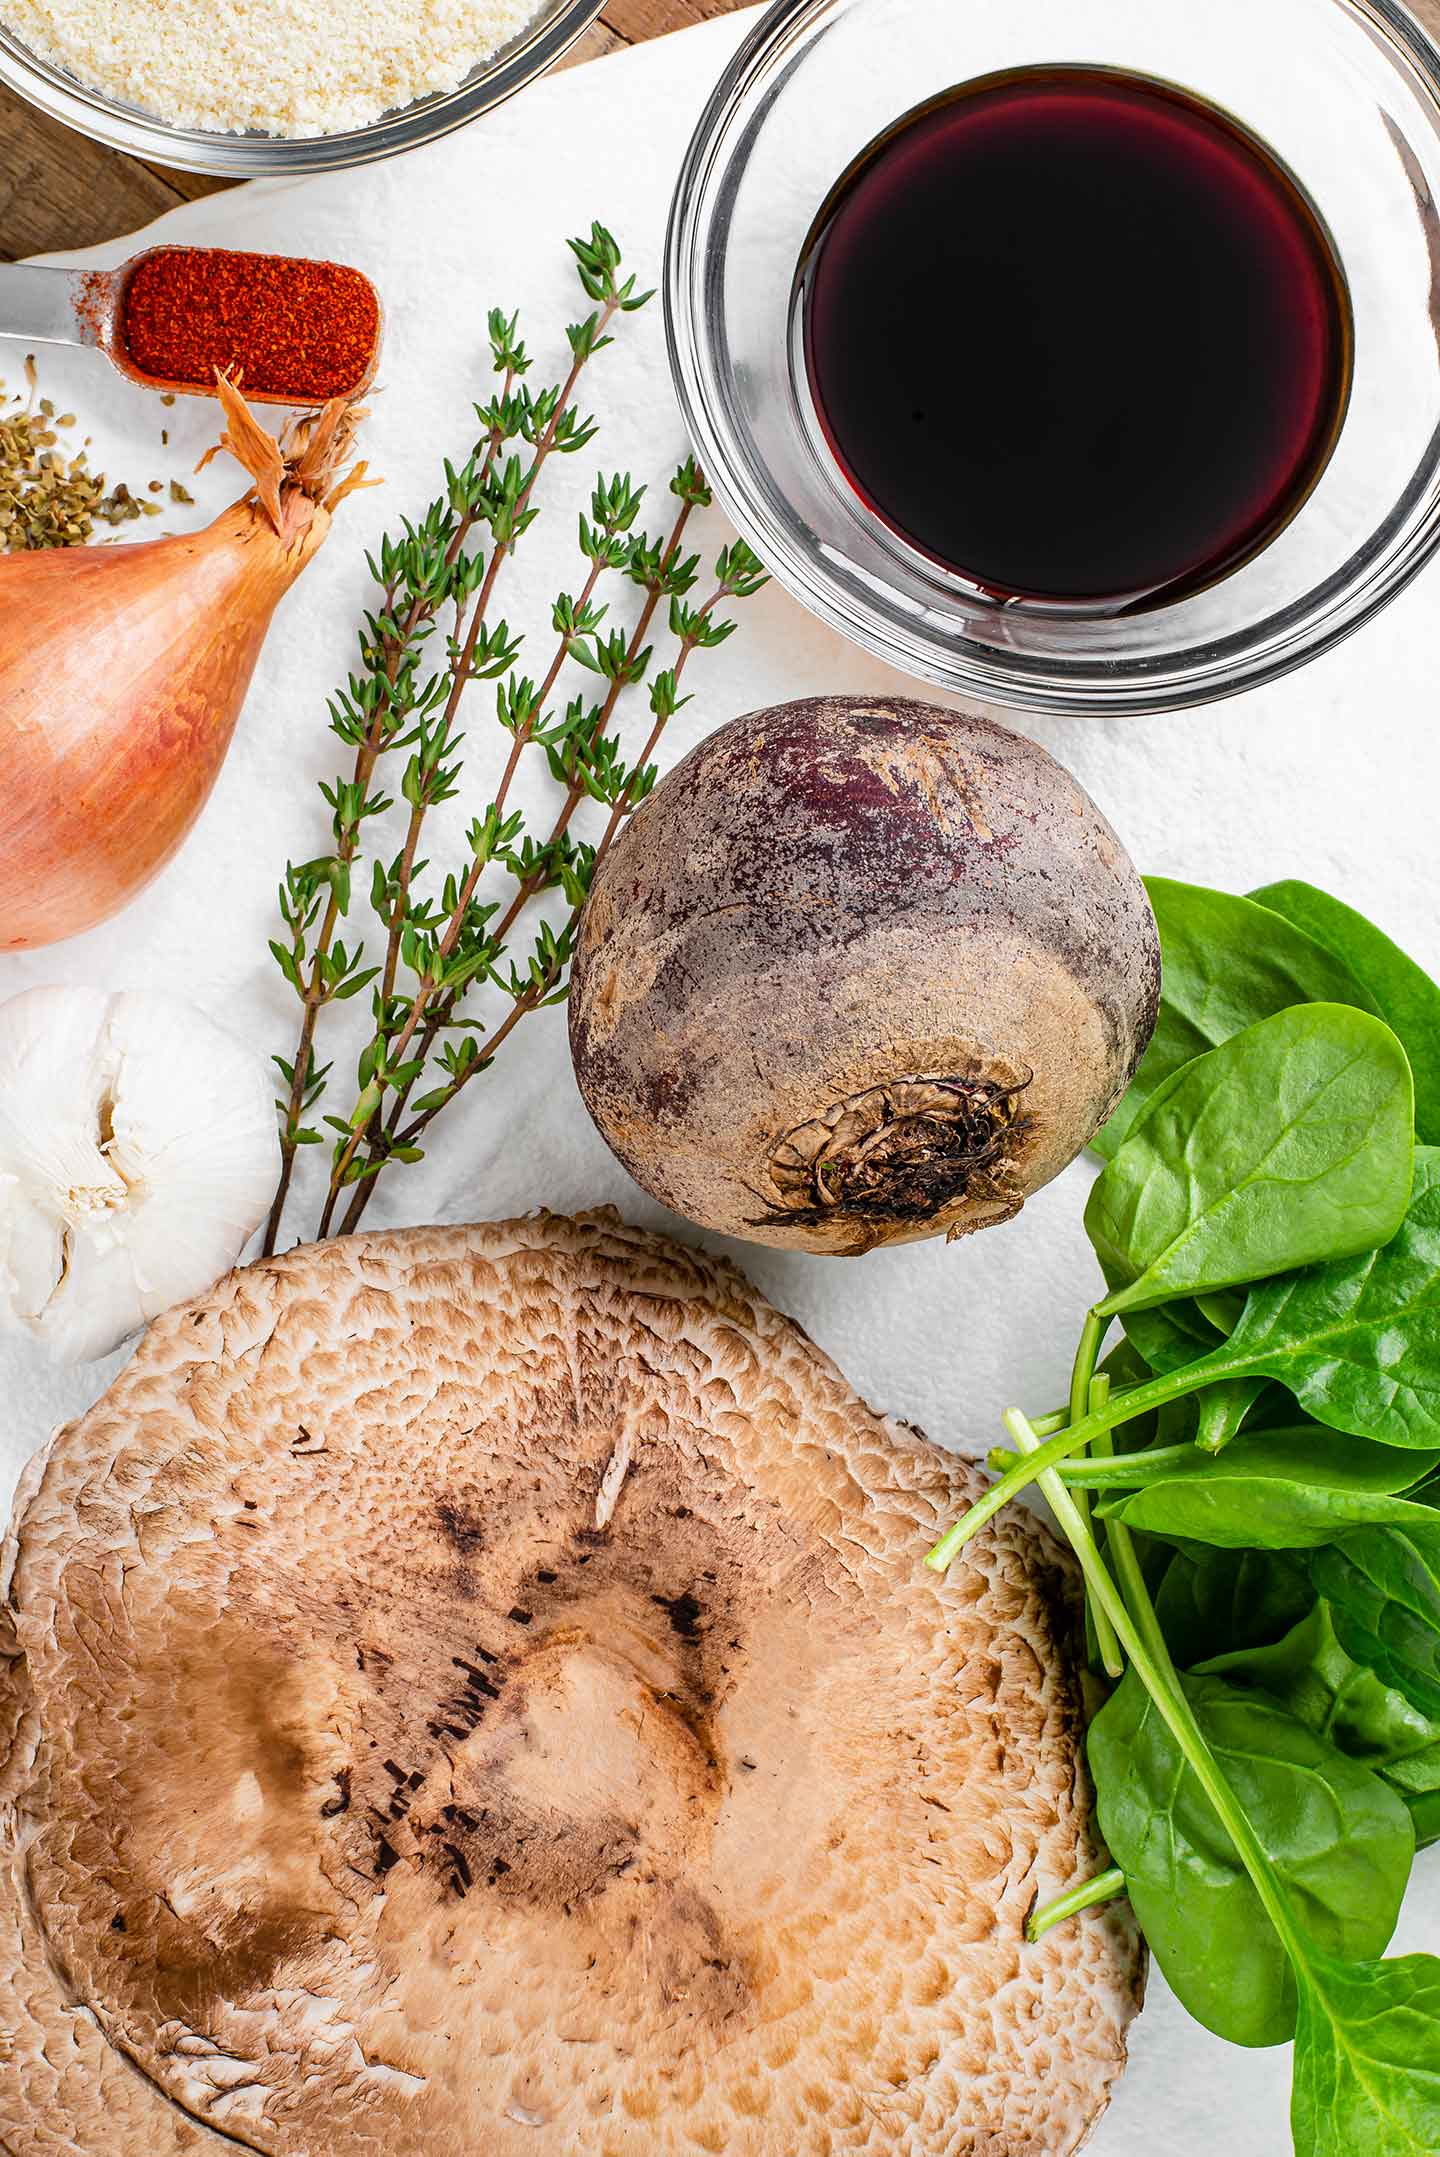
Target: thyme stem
[[539, 993], [530, 886], [438, 942], [460, 678], [314, 996], [575, 793]]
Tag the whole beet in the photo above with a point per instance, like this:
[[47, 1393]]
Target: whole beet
[[860, 971]]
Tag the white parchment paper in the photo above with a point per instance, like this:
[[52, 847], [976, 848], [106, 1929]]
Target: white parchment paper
[[1332, 775]]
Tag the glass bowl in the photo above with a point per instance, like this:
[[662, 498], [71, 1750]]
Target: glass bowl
[[51, 90], [1346, 92]]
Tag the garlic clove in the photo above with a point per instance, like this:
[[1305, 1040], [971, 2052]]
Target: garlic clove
[[138, 1152], [92, 1306], [32, 1253], [52, 1132], [195, 1138]]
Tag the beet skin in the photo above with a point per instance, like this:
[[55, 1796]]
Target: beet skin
[[860, 971]]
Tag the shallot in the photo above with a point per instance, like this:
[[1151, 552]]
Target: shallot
[[123, 670]]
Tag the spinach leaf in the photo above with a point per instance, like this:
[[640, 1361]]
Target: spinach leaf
[[1309, 1672], [1339, 1838], [1269, 1234], [1425, 1815], [1222, 1309], [1123, 1365], [1402, 992], [1171, 1335], [1367, 2060], [1225, 962], [1211, 1600], [1221, 1411], [1383, 1584], [1273, 1490], [1358, 1341], [1292, 1142]]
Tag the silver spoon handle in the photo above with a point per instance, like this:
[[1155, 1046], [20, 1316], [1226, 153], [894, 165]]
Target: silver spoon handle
[[48, 307]]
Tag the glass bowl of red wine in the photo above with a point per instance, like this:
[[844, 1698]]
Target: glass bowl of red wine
[[1082, 355]]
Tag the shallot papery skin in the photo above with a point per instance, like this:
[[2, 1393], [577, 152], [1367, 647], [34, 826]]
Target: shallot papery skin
[[123, 670]]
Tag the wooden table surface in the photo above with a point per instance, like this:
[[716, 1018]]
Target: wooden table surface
[[58, 189]]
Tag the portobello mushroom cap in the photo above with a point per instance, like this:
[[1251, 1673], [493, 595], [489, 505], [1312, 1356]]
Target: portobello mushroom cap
[[474, 1690], [860, 972]]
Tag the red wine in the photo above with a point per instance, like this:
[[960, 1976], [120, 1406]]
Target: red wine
[[1076, 335]]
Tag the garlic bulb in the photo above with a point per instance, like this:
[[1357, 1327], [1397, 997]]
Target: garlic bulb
[[138, 1152]]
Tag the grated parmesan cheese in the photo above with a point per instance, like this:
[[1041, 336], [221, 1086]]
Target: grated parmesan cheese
[[287, 67]]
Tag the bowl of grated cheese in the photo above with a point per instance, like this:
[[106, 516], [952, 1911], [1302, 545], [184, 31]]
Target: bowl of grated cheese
[[265, 87]]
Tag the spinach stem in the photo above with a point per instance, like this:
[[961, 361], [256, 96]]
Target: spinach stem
[[1125, 1471], [1117, 1536], [1100, 1887], [1123, 1408], [1129, 1575], [1144, 1643], [1087, 1393], [1087, 1355]]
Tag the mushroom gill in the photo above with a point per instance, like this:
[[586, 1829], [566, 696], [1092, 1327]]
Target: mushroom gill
[[475, 1690]]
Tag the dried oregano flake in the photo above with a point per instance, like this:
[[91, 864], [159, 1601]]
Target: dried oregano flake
[[49, 498]]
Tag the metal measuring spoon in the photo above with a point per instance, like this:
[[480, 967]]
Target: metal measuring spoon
[[88, 307]]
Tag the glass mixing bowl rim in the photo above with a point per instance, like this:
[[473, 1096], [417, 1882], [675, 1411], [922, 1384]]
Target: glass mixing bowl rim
[[1143, 682], [120, 126]]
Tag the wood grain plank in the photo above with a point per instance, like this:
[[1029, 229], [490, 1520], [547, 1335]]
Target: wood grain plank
[[188, 185], [640, 19], [59, 189], [598, 40]]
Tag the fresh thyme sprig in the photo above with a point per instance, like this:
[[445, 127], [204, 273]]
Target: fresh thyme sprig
[[430, 568], [613, 784], [440, 942], [663, 572]]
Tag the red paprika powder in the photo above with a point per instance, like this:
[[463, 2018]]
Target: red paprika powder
[[285, 328]]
